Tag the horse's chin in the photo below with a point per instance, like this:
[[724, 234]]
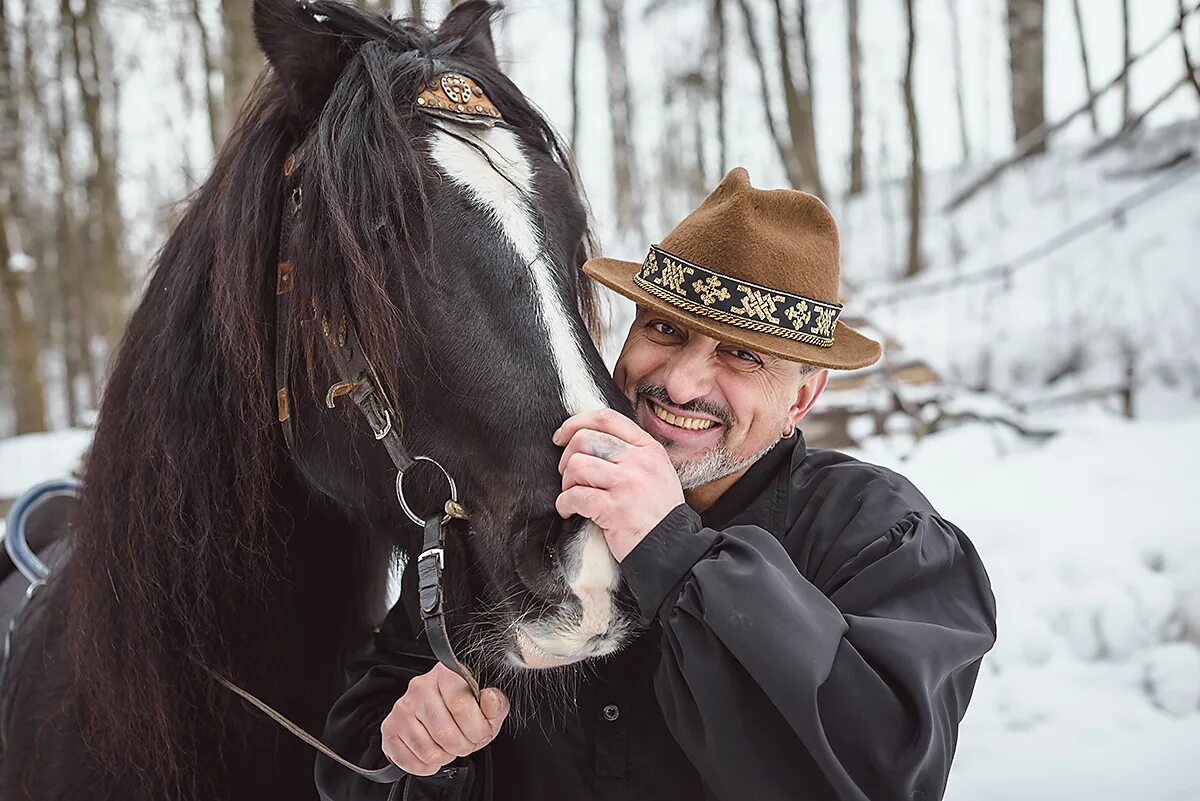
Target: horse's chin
[[532, 651]]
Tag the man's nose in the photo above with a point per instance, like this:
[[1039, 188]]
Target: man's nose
[[689, 376]]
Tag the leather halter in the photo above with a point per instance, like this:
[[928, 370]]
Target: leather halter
[[359, 380]]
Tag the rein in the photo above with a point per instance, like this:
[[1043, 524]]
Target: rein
[[459, 99]]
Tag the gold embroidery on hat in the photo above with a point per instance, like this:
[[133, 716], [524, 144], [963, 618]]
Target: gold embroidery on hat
[[758, 304], [673, 275], [710, 290], [799, 314], [707, 296], [650, 266], [824, 324]]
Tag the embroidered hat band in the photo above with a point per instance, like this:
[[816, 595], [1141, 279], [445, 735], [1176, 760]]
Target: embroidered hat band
[[735, 301]]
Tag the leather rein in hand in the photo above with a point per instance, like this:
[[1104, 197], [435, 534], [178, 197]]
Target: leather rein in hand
[[460, 99]]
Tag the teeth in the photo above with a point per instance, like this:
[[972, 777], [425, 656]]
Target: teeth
[[691, 423]]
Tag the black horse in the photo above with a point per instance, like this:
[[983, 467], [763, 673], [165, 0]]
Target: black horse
[[202, 542]]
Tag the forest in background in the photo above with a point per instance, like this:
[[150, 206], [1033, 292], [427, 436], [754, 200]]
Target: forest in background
[[732, 81]]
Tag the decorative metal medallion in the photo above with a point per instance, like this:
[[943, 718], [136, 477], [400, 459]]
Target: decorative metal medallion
[[735, 301], [457, 97]]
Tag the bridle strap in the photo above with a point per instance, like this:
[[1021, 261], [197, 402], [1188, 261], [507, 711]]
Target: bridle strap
[[360, 381]]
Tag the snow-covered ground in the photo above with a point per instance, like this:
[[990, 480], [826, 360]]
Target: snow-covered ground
[[1093, 547]]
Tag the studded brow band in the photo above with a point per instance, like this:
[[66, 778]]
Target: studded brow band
[[736, 301]]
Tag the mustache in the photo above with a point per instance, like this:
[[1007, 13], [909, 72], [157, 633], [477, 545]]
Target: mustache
[[659, 393]]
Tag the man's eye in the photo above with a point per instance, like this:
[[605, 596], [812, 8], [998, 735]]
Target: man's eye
[[664, 328], [745, 356]]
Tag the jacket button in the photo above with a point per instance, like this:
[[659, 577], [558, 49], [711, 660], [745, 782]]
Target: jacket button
[[611, 712]]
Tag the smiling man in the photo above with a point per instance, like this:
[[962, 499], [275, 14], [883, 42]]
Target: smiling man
[[813, 627]]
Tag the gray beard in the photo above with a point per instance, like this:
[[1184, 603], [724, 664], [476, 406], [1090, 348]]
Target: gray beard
[[715, 465]]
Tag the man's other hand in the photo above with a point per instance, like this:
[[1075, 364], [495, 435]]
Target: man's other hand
[[438, 720]]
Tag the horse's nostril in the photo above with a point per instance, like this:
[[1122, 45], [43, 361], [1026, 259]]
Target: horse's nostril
[[539, 563]]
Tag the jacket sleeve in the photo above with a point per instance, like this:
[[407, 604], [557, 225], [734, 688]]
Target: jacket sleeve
[[373, 683], [852, 690]]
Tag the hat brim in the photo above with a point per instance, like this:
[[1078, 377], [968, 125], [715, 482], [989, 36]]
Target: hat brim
[[850, 350]]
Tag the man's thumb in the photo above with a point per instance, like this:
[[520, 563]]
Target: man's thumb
[[494, 706]]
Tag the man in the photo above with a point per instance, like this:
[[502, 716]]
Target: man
[[814, 627]]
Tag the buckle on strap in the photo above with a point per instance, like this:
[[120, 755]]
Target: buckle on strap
[[439, 553]]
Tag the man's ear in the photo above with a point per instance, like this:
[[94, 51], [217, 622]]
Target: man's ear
[[472, 22], [807, 395], [307, 56]]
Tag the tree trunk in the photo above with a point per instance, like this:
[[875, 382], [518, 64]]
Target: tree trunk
[[802, 146], [1026, 20], [915, 262], [626, 182], [1126, 53], [1189, 64], [807, 103], [718, 88], [1087, 68], [241, 62], [28, 391], [856, 101], [576, 36], [216, 122], [959, 101], [786, 154], [89, 44], [416, 13]]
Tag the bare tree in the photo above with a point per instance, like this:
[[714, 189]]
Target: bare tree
[[1126, 59], [626, 182], [798, 103], [576, 36], [915, 262], [718, 46], [959, 101], [796, 148], [1083, 58], [241, 61], [92, 57], [216, 120], [1026, 22], [857, 180], [1189, 64], [26, 381]]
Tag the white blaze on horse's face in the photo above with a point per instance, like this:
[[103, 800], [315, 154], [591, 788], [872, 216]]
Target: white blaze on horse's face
[[501, 182]]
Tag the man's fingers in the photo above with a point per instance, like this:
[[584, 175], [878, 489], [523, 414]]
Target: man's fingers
[[418, 739], [440, 724], [594, 443], [589, 471], [583, 501], [464, 710], [605, 420], [400, 754], [494, 706]]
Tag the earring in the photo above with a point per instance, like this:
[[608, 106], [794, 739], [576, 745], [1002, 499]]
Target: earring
[[791, 429]]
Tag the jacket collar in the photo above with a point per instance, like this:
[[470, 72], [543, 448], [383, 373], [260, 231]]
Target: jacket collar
[[760, 496]]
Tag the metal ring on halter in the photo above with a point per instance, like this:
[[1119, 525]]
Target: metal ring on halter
[[400, 488]]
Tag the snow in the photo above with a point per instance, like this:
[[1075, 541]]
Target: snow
[[1093, 548], [33, 458]]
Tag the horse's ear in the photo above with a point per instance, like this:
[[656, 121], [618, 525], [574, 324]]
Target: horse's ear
[[307, 56], [472, 23]]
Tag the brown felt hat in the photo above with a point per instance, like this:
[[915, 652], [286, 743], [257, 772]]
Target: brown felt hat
[[753, 266]]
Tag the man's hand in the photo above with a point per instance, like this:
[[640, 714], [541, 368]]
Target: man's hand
[[438, 720], [617, 476]]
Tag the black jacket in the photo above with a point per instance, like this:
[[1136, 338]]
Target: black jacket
[[816, 634]]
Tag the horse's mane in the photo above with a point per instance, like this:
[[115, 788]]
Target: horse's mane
[[180, 550]]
